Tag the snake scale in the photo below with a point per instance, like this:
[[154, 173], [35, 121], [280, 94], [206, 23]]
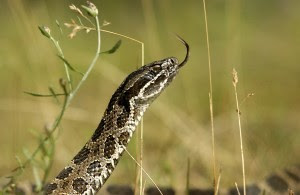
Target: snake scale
[[94, 163]]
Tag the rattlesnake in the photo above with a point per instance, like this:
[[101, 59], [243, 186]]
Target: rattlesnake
[[92, 166]]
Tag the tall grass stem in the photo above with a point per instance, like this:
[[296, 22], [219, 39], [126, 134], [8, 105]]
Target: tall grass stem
[[235, 81], [210, 98]]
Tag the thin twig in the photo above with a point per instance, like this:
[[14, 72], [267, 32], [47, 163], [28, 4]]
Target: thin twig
[[210, 99]]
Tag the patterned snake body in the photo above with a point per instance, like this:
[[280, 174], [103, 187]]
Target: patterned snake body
[[92, 166]]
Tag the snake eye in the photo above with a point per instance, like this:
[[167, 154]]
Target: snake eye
[[156, 68]]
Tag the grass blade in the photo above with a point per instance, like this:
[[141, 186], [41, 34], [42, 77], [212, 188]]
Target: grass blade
[[69, 65], [113, 49], [44, 95]]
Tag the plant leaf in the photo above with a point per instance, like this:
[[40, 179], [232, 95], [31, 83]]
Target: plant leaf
[[53, 93], [44, 95], [113, 49], [69, 65]]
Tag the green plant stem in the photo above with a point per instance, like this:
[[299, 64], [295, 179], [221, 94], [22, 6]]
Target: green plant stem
[[56, 123], [60, 52], [48, 168], [69, 97], [67, 100], [91, 65]]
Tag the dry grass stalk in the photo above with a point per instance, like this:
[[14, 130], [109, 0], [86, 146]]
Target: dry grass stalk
[[218, 183], [144, 172], [234, 82], [210, 100], [237, 188]]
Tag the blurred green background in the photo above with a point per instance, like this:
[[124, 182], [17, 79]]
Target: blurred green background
[[259, 38]]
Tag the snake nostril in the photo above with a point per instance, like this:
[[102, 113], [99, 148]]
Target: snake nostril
[[173, 61]]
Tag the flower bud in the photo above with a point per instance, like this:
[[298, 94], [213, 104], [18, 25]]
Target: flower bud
[[45, 31], [91, 9]]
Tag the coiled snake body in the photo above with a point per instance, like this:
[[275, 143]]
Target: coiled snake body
[[92, 166]]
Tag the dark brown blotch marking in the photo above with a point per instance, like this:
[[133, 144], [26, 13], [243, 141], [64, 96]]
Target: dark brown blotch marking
[[114, 98], [81, 156], [109, 148], [109, 166], [109, 125], [65, 184], [94, 168], [50, 188], [123, 138], [96, 149], [124, 101], [160, 79], [65, 173], [155, 85], [98, 131], [124, 98], [122, 118], [277, 183], [116, 162], [79, 185], [94, 186]]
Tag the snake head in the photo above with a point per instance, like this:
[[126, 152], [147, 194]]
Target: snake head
[[149, 81], [146, 83], [159, 74]]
